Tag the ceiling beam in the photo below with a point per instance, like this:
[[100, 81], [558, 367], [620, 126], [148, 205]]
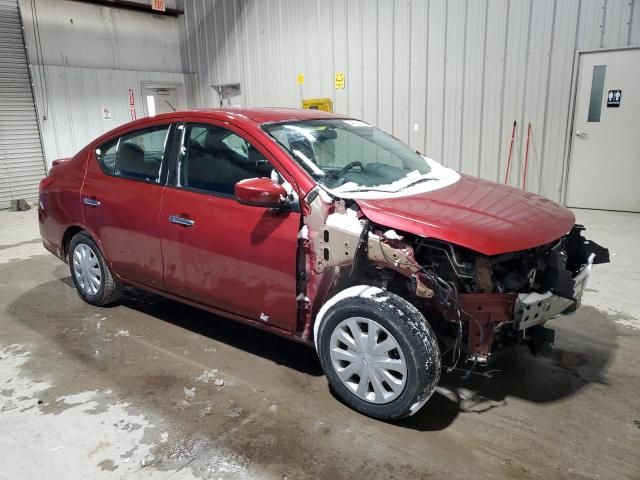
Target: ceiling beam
[[135, 6]]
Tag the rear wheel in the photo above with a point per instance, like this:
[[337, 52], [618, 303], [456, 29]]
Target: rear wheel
[[378, 352], [91, 275]]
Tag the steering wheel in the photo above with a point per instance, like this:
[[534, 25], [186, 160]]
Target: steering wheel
[[348, 167]]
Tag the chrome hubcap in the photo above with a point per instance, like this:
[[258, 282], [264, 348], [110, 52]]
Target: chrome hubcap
[[86, 269], [368, 360]]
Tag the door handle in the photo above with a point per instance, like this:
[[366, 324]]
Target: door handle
[[92, 202], [581, 133], [178, 220]]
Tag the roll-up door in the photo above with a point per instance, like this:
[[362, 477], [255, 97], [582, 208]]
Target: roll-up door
[[21, 159]]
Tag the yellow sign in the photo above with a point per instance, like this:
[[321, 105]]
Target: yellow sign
[[339, 80], [300, 79]]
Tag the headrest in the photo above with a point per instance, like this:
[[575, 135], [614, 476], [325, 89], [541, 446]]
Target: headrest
[[132, 148], [213, 140], [255, 155]]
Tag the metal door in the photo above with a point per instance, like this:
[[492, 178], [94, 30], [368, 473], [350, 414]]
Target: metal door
[[605, 152], [160, 100]]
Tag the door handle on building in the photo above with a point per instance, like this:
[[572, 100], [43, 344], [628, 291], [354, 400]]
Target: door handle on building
[[581, 133], [92, 202], [185, 222]]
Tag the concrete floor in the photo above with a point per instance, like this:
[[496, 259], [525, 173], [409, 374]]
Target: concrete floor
[[155, 389]]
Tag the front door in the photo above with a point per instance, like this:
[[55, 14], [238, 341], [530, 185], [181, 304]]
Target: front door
[[605, 149], [238, 258]]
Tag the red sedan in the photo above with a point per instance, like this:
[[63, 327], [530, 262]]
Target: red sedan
[[324, 229]]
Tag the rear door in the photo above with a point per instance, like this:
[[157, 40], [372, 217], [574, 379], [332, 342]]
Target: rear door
[[234, 257], [121, 201]]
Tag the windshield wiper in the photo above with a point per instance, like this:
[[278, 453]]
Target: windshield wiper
[[356, 190], [417, 182]]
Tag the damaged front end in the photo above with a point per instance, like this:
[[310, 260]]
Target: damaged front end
[[478, 305], [523, 290]]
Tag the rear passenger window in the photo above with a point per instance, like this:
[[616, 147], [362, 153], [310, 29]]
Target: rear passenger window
[[140, 154], [137, 155], [106, 156]]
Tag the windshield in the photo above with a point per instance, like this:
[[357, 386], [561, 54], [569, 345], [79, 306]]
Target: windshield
[[350, 156]]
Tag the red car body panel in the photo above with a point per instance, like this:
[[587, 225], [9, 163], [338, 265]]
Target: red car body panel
[[62, 201], [483, 216], [236, 257], [126, 223]]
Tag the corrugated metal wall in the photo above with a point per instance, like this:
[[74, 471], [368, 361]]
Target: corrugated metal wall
[[76, 97], [79, 34], [448, 77]]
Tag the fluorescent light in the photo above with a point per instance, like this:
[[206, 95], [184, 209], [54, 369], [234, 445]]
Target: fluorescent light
[[151, 105]]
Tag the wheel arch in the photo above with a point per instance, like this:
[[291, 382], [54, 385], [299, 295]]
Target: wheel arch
[[68, 234], [73, 230], [350, 292]]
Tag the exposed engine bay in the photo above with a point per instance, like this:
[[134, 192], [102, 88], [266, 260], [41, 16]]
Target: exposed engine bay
[[478, 305]]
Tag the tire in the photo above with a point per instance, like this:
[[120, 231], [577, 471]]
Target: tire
[[84, 255], [387, 318]]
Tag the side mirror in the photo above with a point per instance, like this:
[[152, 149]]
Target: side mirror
[[261, 192]]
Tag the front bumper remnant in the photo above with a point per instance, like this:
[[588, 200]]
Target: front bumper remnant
[[494, 318], [536, 308]]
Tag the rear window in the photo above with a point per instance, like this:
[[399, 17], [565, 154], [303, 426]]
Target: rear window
[[106, 156], [137, 155]]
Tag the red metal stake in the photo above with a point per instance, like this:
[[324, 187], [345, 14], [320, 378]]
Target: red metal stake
[[513, 133], [526, 158]]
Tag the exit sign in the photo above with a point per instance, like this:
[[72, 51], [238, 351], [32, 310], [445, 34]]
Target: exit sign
[[158, 5]]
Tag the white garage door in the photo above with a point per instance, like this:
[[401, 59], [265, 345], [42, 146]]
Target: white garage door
[[21, 159]]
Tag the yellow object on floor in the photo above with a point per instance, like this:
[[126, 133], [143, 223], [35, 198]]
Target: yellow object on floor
[[324, 104]]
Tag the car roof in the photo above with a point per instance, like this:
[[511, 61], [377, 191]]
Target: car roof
[[255, 115], [275, 114]]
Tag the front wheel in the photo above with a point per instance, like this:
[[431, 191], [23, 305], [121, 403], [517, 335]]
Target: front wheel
[[91, 275], [378, 352]]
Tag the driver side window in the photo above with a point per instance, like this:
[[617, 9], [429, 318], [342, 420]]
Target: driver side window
[[213, 159]]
